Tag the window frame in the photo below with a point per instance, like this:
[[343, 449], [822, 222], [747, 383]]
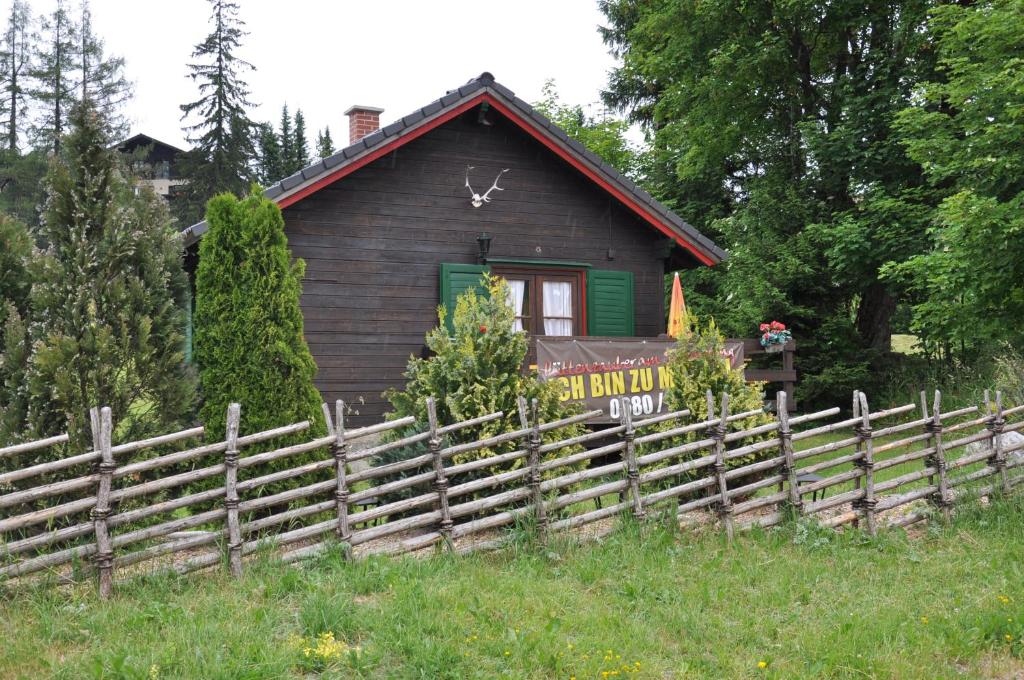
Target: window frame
[[535, 277]]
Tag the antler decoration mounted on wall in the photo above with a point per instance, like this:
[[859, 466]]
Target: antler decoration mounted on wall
[[477, 200]]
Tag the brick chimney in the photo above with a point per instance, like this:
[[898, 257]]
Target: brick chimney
[[362, 120]]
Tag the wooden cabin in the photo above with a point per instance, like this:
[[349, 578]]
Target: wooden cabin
[[389, 229]]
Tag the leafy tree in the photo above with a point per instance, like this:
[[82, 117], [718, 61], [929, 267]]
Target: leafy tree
[[249, 345], [222, 132], [16, 57], [324, 143], [107, 302], [963, 129], [101, 79], [53, 75], [771, 128], [605, 136]]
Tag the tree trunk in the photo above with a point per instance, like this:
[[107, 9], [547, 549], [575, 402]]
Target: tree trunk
[[873, 316]]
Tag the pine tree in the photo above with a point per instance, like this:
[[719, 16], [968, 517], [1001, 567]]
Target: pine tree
[[271, 163], [107, 302], [249, 343], [53, 77], [16, 57], [300, 145], [287, 141], [223, 133], [324, 143], [101, 79]]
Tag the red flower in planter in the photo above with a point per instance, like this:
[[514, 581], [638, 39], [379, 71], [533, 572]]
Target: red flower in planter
[[483, 329], [765, 327]]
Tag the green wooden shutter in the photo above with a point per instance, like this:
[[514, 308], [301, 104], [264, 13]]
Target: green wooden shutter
[[456, 279], [610, 303]]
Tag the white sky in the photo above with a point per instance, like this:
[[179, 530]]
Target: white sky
[[324, 56]]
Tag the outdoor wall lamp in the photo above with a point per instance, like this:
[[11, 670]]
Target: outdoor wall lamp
[[484, 243]]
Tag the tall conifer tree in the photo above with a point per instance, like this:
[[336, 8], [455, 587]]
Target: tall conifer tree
[[249, 342], [16, 58], [271, 162], [300, 145], [324, 143], [287, 141], [107, 302], [222, 131], [101, 79], [54, 78]]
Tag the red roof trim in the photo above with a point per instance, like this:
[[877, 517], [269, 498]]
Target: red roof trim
[[564, 154]]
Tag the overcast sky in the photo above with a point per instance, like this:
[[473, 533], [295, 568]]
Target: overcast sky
[[324, 56]]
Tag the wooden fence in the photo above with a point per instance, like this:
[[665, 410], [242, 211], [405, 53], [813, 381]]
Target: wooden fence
[[122, 513]]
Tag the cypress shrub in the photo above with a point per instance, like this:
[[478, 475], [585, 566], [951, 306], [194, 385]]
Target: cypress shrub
[[249, 344]]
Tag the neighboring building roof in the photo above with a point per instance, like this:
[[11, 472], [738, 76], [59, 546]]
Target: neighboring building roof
[[140, 139], [484, 88]]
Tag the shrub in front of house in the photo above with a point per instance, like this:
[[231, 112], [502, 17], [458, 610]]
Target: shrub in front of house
[[474, 371], [698, 363]]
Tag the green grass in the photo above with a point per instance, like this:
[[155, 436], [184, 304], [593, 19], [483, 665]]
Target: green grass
[[807, 602], [906, 344]]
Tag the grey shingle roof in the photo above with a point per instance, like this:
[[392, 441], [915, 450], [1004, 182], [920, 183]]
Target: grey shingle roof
[[483, 83]]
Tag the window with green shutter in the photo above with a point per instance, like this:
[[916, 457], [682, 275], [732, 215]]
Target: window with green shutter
[[456, 279], [610, 303]]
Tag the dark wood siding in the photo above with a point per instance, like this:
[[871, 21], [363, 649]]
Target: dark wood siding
[[373, 243]]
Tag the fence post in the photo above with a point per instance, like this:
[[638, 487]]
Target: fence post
[[104, 558], [717, 433], [937, 459], [231, 491], [866, 462], [786, 445], [339, 450], [532, 442], [440, 481], [629, 457], [995, 426], [859, 449]]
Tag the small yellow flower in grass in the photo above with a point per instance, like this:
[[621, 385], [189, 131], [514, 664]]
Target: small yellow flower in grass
[[154, 672], [1009, 638], [762, 664], [507, 653], [1004, 599], [924, 620]]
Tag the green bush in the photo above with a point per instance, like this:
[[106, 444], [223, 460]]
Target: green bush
[[699, 363], [476, 371], [249, 345]]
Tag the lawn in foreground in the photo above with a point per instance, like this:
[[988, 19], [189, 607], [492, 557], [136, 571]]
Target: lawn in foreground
[[647, 602]]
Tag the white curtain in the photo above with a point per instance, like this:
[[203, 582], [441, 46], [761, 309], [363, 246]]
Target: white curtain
[[516, 292], [557, 303]]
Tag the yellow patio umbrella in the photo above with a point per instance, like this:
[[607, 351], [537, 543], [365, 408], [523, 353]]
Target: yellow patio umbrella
[[677, 325]]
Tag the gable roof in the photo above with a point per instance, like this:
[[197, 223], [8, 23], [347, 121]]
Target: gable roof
[[482, 89], [145, 140]]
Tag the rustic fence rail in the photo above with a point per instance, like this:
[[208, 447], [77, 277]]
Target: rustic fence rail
[[458, 495]]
